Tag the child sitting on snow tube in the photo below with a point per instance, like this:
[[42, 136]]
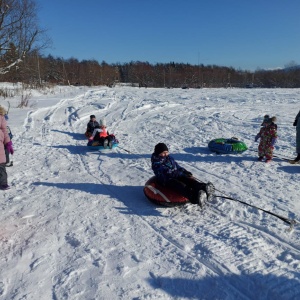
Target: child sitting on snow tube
[[91, 125], [169, 174], [101, 136]]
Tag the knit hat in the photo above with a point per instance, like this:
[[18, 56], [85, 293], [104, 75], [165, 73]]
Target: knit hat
[[2, 111], [102, 122], [160, 147], [266, 120], [92, 116]]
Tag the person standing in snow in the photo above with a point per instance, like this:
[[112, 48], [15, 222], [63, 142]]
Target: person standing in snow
[[101, 135], [297, 124], [91, 125], [268, 138], [10, 136], [170, 174], [5, 143]]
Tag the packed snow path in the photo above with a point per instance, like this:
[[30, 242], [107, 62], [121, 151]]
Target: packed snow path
[[76, 225]]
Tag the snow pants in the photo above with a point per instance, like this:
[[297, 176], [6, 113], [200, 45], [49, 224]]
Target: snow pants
[[186, 186], [265, 150], [3, 174], [102, 139]]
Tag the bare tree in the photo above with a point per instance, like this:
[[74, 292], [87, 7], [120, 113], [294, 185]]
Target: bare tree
[[19, 29]]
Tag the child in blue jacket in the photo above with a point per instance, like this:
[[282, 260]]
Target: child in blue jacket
[[170, 174]]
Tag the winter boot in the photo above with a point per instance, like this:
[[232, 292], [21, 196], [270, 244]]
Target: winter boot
[[202, 198], [105, 144], [260, 158], [4, 187], [296, 160], [210, 190], [110, 144]]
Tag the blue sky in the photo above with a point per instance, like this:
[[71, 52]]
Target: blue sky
[[242, 34]]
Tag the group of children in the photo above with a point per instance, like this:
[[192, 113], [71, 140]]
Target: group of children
[[98, 134], [170, 174], [6, 148]]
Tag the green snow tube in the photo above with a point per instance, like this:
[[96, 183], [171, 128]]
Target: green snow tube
[[227, 146]]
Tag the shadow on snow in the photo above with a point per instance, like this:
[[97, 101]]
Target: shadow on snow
[[131, 196], [253, 286], [75, 136], [211, 157]]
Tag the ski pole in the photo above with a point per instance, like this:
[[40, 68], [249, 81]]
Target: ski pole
[[125, 150], [291, 222], [131, 152]]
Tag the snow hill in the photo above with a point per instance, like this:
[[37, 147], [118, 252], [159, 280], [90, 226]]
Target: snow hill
[[76, 224]]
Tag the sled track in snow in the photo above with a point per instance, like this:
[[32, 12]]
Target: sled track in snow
[[214, 238], [259, 252], [216, 242]]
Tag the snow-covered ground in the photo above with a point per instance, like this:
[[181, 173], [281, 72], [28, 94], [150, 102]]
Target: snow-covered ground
[[76, 224]]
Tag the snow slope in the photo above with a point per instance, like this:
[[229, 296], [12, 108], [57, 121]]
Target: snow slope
[[76, 224]]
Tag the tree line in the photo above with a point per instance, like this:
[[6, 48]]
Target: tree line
[[35, 69], [22, 42]]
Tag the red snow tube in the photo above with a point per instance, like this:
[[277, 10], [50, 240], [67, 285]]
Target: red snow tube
[[162, 195]]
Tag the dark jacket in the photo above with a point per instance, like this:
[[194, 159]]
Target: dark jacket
[[297, 124], [297, 121], [166, 168], [91, 126]]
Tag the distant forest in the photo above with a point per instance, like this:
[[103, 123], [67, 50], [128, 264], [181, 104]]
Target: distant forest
[[37, 70]]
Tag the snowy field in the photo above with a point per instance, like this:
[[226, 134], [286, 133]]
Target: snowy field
[[76, 224]]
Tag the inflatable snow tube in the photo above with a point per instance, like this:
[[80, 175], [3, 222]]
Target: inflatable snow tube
[[162, 195], [227, 146], [96, 146]]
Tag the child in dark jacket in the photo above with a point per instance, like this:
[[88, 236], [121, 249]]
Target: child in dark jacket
[[170, 174], [91, 125]]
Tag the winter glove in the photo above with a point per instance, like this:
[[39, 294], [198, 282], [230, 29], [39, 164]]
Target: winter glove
[[295, 122], [9, 148], [273, 142], [90, 139]]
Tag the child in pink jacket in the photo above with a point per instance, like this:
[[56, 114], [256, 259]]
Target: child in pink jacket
[[5, 142]]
